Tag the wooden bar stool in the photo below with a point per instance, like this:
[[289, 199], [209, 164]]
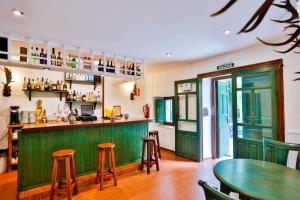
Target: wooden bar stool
[[156, 136], [67, 156], [101, 173], [151, 149]]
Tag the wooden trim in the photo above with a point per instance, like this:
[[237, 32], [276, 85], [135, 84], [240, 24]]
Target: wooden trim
[[102, 105], [43, 192], [80, 124], [165, 149], [243, 68], [280, 103], [214, 117]]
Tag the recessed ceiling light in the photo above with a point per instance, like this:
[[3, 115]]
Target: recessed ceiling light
[[17, 12], [227, 31], [169, 53]]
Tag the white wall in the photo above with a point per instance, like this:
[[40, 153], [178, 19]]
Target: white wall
[[116, 93], [161, 83]]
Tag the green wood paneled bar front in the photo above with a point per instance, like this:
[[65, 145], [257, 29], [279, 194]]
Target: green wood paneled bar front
[[38, 142]]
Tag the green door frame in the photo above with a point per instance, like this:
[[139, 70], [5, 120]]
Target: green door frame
[[247, 141], [278, 67], [180, 150]]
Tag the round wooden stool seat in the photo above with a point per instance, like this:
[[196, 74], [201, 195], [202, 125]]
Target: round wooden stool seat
[[153, 132], [63, 153], [106, 146]]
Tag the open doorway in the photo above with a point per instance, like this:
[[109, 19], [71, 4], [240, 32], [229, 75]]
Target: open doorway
[[222, 118]]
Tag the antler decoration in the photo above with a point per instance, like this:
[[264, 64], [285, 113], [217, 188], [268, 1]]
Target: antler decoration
[[292, 23], [7, 88]]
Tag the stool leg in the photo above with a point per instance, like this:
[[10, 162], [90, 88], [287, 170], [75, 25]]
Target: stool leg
[[143, 155], [102, 155], [156, 157], [68, 177], [113, 163], [54, 174], [148, 157], [158, 145], [59, 172], [73, 172], [98, 167]]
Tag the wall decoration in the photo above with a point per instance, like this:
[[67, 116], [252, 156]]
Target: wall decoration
[[7, 87], [225, 66], [291, 24], [117, 111]]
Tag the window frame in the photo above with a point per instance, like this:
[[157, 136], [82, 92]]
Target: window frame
[[173, 110]]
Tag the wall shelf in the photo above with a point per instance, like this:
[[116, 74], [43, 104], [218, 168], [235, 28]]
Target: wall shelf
[[83, 102], [83, 82], [21, 52], [60, 92]]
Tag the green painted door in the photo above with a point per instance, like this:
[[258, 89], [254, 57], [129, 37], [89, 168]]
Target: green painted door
[[224, 117], [188, 141], [254, 111]]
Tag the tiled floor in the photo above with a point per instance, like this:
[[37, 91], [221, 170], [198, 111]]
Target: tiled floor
[[177, 179]]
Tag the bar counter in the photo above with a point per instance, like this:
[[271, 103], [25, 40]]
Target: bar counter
[[37, 143]]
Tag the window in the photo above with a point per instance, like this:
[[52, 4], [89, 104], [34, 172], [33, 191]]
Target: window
[[164, 110]]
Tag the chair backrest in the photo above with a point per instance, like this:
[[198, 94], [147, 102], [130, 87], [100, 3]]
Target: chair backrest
[[277, 152], [213, 194]]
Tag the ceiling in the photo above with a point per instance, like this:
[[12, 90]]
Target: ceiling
[[138, 28]]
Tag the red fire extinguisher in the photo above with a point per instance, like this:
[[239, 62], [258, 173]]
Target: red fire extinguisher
[[146, 110]]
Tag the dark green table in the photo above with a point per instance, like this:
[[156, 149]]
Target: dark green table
[[258, 179]]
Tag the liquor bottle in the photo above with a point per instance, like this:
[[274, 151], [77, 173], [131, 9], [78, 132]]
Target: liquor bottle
[[73, 63], [74, 96], [113, 67], [32, 55], [122, 68], [42, 85], [132, 69], [36, 56], [28, 84], [83, 97], [44, 119], [46, 85], [68, 97], [32, 84], [45, 56], [58, 85], [65, 87], [52, 86], [42, 55], [53, 57], [59, 60], [24, 84], [37, 84]]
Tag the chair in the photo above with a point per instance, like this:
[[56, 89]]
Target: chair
[[101, 173], [149, 144], [277, 152], [67, 156], [213, 194]]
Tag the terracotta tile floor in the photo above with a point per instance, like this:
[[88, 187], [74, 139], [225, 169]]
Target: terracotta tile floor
[[177, 179]]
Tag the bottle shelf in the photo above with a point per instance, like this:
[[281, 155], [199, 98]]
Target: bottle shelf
[[60, 92], [71, 81], [83, 102], [26, 52]]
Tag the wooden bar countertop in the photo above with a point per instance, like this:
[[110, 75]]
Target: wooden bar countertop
[[56, 125]]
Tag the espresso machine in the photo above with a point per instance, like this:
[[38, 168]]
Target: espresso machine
[[14, 115]]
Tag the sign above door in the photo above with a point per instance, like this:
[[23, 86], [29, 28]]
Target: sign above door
[[225, 66]]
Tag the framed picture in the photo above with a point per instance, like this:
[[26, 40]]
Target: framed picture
[[118, 110]]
